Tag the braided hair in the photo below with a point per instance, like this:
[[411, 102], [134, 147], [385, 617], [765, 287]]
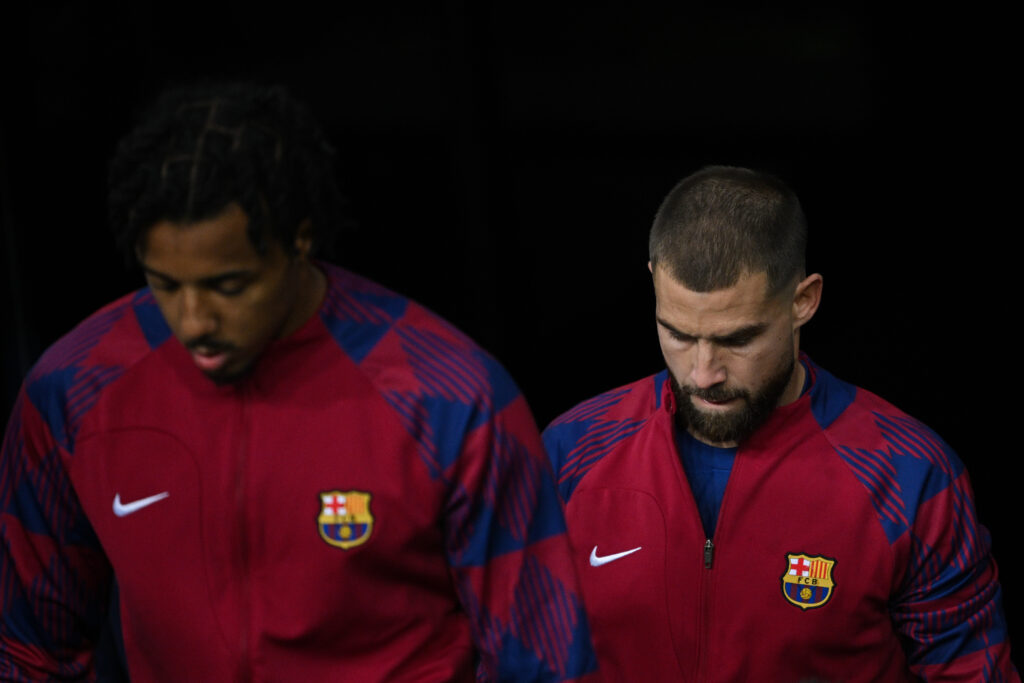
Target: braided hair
[[200, 148]]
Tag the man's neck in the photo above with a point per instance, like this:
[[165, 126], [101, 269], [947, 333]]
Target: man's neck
[[795, 387]]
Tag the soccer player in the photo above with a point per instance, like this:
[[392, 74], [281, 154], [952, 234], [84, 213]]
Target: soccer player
[[743, 515], [274, 469]]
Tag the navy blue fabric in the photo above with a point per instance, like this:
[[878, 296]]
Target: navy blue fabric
[[708, 469]]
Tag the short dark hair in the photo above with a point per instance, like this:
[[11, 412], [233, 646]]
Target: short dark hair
[[721, 222], [201, 147]]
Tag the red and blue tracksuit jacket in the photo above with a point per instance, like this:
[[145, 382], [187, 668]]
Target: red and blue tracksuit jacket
[[847, 547], [371, 503]]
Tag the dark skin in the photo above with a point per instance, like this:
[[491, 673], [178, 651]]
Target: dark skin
[[224, 300]]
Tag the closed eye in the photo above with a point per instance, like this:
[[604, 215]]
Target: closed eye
[[160, 284], [742, 337], [229, 287], [680, 336], [676, 334], [736, 341], [733, 340]]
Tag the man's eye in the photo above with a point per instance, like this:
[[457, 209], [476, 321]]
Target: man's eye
[[230, 287], [162, 286], [737, 342]]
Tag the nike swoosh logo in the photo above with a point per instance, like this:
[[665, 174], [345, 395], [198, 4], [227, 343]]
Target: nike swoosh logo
[[596, 561], [125, 509]]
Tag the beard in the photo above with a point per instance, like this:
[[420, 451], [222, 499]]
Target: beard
[[736, 425]]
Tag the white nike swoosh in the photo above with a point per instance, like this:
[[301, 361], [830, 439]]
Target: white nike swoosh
[[124, 509], [596, 561]]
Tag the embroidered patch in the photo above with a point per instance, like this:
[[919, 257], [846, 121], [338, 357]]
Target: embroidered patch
[[807, 581], [345, 520]]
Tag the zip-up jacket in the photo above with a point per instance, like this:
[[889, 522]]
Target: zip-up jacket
[[371, 503], [846, 548]]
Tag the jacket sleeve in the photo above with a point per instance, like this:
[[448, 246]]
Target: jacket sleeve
[[948, 609], [54, 578], [509, 551]]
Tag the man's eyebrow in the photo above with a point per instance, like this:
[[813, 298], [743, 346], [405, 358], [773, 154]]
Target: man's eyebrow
[[739, 336], [206, 281], [672, 329], [152, 271]]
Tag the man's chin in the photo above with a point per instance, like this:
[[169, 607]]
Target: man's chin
[[228, 374], [721, 426]]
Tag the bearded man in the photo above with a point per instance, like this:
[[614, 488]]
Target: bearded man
[[744, 515]]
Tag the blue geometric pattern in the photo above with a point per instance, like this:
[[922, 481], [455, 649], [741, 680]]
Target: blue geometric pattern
[[62, 387], [458, 390], [451, 400], [830, 397], [453, 394], [584, 437], [465, 418], [12, 459], [151, 320], [912, 466], [419, 419], [906, 466], [969, 625], [545, 618], [359, 318], [445, 370], [518, 507]]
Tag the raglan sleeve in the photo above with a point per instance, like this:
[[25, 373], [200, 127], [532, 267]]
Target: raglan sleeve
[[948, 608], [54, 578], [509, 550]]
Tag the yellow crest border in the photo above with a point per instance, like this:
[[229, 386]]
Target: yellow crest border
[[359, 502], [806, 584]]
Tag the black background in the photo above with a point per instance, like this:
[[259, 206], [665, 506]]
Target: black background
[[504, 162]]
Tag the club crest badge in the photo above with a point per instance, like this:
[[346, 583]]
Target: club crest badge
[[345, 520], [807, 580]]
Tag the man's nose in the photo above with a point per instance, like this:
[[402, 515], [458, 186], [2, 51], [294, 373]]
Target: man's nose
[[197, 317], [707, 370]]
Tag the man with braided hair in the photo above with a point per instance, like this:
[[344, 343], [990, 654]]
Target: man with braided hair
[[743, 515], [265, 467]]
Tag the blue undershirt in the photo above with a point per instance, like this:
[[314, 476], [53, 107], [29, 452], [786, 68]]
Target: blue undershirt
[[708, 469]]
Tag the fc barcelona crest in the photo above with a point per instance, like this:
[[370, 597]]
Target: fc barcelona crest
[[345, 520], [807, 581]]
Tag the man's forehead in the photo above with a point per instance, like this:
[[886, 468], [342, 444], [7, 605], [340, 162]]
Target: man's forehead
[[201, 246], [719, 313], [749, 287]]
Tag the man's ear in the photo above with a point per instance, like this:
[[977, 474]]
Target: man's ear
[[806, 299], [304, 239]]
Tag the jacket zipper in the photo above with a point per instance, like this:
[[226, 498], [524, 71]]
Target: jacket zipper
[[244, 589], [704, 667], [704, 632]]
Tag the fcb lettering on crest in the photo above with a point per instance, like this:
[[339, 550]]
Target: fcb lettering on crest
[[807, 580], [345, 520]]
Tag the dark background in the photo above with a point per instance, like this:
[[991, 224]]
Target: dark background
[[504, 162]]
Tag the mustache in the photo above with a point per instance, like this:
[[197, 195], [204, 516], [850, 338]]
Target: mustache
[[716, 394], [208, 344]]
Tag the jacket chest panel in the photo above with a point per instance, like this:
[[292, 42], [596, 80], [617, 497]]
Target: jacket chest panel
[[800, 565], [267, 514]]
